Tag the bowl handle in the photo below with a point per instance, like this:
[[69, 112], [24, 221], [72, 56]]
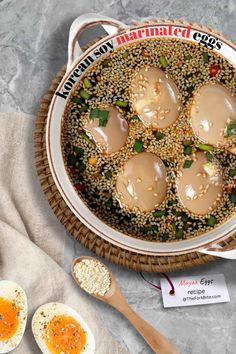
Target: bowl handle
[[83, 22], [228, 252]]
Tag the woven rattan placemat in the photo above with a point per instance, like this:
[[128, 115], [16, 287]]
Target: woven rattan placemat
[[79, 231]]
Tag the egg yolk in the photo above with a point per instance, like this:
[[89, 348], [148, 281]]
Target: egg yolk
[[65, 335], [8, 319]]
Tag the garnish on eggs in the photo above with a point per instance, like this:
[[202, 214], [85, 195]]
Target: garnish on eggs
[[13, 315], [57, 329], [65, 334], [8, 319]]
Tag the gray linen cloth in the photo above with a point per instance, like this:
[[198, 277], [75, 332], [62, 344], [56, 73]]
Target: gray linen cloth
[[32, 239]]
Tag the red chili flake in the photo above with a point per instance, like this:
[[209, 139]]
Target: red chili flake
[[72, 170], [214, 70], [80, 187]]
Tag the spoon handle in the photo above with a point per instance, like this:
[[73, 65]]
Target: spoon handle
[[155, 339], [159, 343]]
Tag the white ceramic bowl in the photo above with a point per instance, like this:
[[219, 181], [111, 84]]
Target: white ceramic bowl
[[118, 35]]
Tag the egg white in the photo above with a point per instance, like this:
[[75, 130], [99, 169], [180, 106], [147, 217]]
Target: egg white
[[11, 291], [46, 312]]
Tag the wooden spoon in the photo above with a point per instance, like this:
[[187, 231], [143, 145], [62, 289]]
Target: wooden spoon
[[114, 297]]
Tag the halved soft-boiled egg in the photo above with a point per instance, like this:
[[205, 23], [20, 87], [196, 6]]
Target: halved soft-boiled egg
[[200, 184], [108, 129], [13, 315], [142, 182], [213, 114], [58, 329], [155, 97]]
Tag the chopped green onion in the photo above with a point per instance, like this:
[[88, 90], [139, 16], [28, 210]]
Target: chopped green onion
[[138, 145], [187, 163], [77, 100], [109, 203], [232, 172], [231, 129], [179, 233], [176, 212], [204, 147], [211, 221], [71, 160], [94, 113], [187, 57], [106, 63], [84, 136], [172, 202], [188, 150], [209, 156], [79, 151], [82, 167], [205, 57], [87, 83], [185, 218], [108, 174], [190, 89], [159, 213], [232, 196], [125, 55], [135, 117], [163, 61], [174, 226], [103, 118], [159, 135], [151, 228], [84, 94], [83, 109], [165, 236], [121, 103], [102, 115], [187, 142], [102, 122]]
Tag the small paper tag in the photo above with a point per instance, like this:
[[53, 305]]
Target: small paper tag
[[196, 290]]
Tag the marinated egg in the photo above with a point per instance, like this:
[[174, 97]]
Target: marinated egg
[[155, 97], [111, 135], [57, 329], [232, 150], [142, 182], [212, 113], [200, 187], [13, 315]]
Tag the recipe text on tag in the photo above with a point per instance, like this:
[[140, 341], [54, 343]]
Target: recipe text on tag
[[195, 290]]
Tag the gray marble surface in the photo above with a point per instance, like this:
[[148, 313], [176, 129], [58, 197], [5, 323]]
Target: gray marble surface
[[33, 46]]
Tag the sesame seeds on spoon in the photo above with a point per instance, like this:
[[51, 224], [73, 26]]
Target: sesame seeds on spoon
[[92, 276], [97, 280]]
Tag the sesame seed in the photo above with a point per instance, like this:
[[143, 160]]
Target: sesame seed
[[92, 276]]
